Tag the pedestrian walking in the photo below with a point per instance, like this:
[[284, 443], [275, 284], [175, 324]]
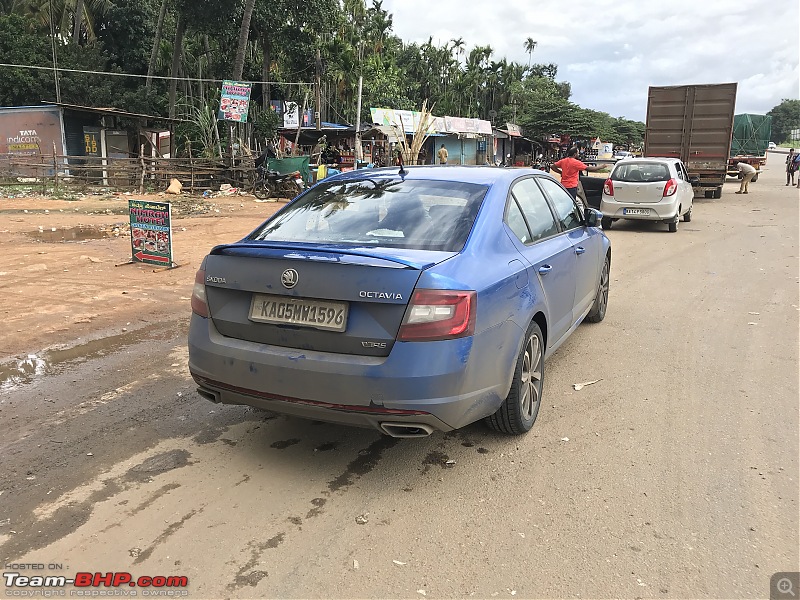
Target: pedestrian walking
[[747, 173], [791, 167], [570, 169], [442, 154]]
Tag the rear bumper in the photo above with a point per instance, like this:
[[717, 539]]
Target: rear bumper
[[436, 384], [659, 211]]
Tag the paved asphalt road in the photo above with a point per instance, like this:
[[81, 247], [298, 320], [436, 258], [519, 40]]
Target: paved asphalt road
[[679, 477]]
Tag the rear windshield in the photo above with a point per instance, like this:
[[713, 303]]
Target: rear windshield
[[641, 171], [429, 215]]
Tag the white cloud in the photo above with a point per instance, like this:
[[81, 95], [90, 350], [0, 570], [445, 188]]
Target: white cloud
[[611, 51]]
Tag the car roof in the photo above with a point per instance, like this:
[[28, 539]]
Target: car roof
[[636, 159], [483, 175]]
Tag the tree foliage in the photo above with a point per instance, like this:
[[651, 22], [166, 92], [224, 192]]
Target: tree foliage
[[785, 117], [277, 50]]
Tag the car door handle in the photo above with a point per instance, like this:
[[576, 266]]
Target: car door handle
[[545, 269], [580, 250]]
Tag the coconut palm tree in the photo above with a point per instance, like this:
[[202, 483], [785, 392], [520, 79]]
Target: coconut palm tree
[[530, 46], [244, 34]]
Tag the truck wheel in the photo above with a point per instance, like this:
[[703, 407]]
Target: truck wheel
[[606, 222], [718, 193], [709, 193]]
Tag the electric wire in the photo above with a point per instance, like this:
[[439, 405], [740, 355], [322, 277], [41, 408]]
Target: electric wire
[[163, 77]]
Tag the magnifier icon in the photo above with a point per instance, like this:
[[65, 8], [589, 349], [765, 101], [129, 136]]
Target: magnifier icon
[[785, 587]]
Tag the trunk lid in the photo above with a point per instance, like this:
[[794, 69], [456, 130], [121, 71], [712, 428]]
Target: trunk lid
[[639, 192], [296, 295]]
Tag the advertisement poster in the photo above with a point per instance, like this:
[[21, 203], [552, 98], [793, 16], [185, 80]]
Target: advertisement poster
[[291, 116], [151, 232], [235, 102]]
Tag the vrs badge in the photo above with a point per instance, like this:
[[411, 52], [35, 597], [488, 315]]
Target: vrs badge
[[289, 278]]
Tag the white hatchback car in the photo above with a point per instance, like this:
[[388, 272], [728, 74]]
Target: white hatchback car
[[651, 189]]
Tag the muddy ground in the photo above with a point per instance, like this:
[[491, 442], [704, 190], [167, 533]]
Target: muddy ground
[[675, 475], [63, 275]]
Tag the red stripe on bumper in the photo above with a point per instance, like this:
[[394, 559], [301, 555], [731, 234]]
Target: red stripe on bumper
[[377, 410]]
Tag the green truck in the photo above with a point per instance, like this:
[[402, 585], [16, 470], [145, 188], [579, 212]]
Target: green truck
[[751, 137]]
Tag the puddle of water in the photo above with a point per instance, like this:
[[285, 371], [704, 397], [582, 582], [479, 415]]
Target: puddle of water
[[24, 371], [73, 234]]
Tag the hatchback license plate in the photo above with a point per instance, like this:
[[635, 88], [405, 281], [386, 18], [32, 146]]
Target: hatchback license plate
[[636, 211], [320, 314]]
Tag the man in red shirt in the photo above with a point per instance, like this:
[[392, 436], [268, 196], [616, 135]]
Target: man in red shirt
[[570, 169]]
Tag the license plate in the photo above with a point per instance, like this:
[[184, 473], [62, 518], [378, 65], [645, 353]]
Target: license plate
[[636, 211], [319, 314]]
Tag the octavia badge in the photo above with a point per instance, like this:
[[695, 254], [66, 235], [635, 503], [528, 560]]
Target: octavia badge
[[289, 278]]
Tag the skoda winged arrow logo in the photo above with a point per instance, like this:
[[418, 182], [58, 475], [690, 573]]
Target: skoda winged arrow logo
[[289, 278]]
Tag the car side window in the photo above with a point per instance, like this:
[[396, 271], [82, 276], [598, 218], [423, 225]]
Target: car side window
[[679, 171], [567, 211], [535, 208], [517, 223]]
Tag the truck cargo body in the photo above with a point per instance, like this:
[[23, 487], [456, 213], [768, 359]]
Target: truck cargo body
[[693, 123], [751, 136]]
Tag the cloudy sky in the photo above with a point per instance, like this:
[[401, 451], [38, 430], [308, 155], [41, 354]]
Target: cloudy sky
[[612, 50]]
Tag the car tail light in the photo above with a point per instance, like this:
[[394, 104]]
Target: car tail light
[[670, 188], [608, 187], [199, 303], [439, 315]]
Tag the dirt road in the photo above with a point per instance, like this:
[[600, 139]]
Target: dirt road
[[676, 475]]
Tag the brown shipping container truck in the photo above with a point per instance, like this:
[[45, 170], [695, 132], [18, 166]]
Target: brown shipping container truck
[[693, 123]]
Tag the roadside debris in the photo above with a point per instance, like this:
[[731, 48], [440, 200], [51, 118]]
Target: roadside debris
[[565, 439], [356, 565], [397, 562], [579, 386], [362, 519], [174, 188]]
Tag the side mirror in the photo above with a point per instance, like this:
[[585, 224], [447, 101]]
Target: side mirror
[[593, 217]]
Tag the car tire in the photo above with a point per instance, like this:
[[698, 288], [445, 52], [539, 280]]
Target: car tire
[[598, 311], [687, 217], [519, 410], [673, 226], [606, 222]]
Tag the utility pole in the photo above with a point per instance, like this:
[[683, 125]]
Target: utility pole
[[318, 112], [359, 149]]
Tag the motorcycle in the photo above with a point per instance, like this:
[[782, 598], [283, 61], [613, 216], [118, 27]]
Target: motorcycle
[[272, 183]]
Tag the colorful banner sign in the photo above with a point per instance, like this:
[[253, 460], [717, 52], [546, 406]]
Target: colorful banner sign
[[235, 102], [151, 232]]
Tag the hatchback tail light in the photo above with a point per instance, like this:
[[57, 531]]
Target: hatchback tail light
[[199, 303], [439, 315], [671, 188], [608, 187]]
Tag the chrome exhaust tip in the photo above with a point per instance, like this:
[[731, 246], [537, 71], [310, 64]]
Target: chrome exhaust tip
[[406, 430], [209, 395]]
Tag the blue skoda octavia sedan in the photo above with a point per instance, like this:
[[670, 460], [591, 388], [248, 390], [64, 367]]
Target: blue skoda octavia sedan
[[408, 300]]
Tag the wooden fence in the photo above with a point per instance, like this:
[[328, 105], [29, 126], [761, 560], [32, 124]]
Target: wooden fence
[[137, 174]]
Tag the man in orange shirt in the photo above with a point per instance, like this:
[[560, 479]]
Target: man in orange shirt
[[570, 169]]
